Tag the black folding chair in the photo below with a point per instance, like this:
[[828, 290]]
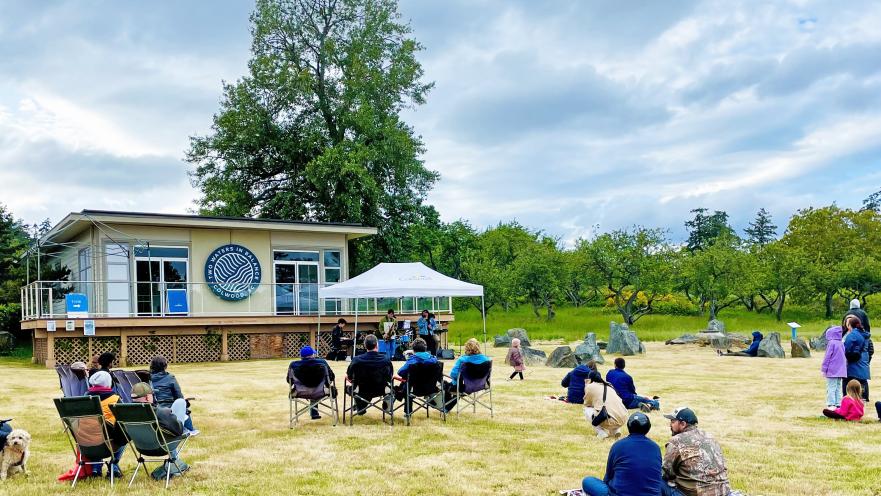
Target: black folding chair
[[423, 390], [310, 386], [372, 386], [87, 432], [474, 383], [148, 441]]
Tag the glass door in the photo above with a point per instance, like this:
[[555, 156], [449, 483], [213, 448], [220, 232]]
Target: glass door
[[156, 274], [307, 278], [285, 282], [149, 278], [296, 288]]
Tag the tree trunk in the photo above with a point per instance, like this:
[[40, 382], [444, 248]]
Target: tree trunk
[[549, 306], [780, 306], [829, 295]]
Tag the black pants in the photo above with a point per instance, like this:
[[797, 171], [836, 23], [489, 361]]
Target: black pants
[[515, 373], [878, 409], [831, 414], [431, 341], [863, 383]]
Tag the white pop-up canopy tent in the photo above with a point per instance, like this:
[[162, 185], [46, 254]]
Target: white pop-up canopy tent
[[399, 280]]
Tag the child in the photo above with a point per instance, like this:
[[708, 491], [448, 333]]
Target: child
[[852, 404], [834, 367], [515, 359]]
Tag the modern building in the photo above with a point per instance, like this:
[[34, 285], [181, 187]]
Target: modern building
[[193, 288]]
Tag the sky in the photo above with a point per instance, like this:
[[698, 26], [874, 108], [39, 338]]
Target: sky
[[571, 117]]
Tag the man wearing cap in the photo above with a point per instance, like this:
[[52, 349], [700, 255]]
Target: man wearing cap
[[634, 464], [307, 357], [693, 463]]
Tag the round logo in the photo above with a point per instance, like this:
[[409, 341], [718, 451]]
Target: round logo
[[232, 272]]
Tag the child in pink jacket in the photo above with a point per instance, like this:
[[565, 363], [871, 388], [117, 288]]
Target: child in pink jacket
[[852, 404]]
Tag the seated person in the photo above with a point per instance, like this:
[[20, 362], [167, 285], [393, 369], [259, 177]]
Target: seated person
[[372, 363], [693, 463], [574, 382], [623, 384], [851, 405], [309, 357], [420, 355], [101, 385], [472, 355], [599, 394], [634, 464], [171, 421], [752, 351], [166, 389], [336, 341]]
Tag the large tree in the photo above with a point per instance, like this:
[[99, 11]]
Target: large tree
[[704, 228], [314, 130], [762, 230]]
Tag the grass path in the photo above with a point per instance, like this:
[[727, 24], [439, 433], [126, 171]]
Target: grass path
[[763, 411]]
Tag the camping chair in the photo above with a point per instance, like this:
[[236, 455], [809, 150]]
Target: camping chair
[[133, 377], [71, 384], [423, 388], [373, 386], [123, 385], [311, 383], [473, 384], [87, 433], [148, 442]]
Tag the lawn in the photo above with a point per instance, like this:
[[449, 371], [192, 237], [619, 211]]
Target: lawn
[[764, 412]]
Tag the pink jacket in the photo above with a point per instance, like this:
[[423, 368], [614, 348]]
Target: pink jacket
[[850, 409]]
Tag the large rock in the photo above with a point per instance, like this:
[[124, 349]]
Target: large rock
[[819, 343], [715, 325], [630, 344], [504, 341], [683, 339], [800, 349], [716, 339], [770, 346], [562, 358], [532, 356], [7, 343], [589, 350], [622, 340]]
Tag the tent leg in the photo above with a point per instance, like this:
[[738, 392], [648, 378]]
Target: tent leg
[[483, 313]]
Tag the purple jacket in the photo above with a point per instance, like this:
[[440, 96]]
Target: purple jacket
[[834, 363]]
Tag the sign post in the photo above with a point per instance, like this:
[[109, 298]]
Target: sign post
[[794, 326]]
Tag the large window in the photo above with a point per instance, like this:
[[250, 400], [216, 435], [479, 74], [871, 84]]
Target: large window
[[85, 264], [158, 269], [296, 282]]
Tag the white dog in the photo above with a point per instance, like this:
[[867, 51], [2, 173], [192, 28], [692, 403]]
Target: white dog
[[14, 457]]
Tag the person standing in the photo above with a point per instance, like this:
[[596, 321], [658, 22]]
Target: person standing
[[834, 366], [515, 359], [856, 311], [427, 327], [856, 351], [634, 464], [693, 463]]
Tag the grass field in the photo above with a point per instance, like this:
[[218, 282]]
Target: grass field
[[764, 412]]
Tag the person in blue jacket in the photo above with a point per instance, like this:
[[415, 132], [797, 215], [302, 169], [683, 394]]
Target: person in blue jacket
[[752, 351], [574, 382], [634, 464], [473, 355], [856, 351], [623, 384], [427, 327]]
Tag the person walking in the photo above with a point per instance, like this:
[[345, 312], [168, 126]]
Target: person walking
[[515, 359]]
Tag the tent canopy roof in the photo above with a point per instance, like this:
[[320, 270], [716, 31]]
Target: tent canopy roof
[[395, 280]]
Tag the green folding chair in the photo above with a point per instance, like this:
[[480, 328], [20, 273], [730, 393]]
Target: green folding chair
[[87, 433], [147, 440]]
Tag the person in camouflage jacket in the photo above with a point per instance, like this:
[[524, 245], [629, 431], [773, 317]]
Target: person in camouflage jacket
[[693, 463]]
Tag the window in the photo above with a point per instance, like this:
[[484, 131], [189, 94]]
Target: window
[[332, 266], [85, 264], [161, 252], [295, 256]]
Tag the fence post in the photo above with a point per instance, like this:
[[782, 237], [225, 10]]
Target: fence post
[[123, 349], [224, 346]]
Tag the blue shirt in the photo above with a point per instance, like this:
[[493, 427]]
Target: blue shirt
[[623, 384], [426, 326], [420, 357], [856, 342], [634, 467], [475, 359], [574, 381]]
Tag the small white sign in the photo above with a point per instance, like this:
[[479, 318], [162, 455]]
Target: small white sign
[[794, 325], [70, 325], [89, 328], [50, 326]]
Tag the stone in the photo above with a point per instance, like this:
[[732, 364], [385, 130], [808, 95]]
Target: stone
[[720, 342], [504, 341], [615, 337], [819, 343], [7, 343], [770, 346], [716, 339], [715, 325], [562, 358], [532, 356], [683, 339], [589, 350], [630, 344], [800, 349]]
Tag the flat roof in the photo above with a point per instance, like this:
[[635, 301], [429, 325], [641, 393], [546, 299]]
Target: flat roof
[[75, 222]]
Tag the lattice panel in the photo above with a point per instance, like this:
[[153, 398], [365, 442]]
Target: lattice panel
[[41, 350], [69, 350], [142, 349], [293, 341], [103, 345], [324, 341], [199, 348], [238, 347]]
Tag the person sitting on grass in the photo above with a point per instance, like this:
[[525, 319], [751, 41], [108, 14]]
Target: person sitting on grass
[[373, 364], [634, 464], [308, 356], [851, 405], [166, 389], [623, 384], [574, 382], [472, 355], [597, 395], [693, 463], [752, 351]]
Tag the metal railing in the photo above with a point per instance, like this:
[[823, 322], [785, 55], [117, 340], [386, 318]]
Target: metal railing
[[46, 300]]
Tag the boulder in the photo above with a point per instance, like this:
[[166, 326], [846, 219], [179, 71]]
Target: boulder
[[819, 343], [7, 343], [615, 337], [630, 344], [800, 349], [683, 339], [589, 350], [562, 357], [504, 341], [716, 339], [532, 356], [715, 325], [770, 346]]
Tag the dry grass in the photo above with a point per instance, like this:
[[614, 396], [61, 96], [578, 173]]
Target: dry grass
[[763, 411]]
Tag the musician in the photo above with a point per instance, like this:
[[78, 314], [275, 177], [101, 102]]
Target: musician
[[427, 330], [337, 342], [387, 331]]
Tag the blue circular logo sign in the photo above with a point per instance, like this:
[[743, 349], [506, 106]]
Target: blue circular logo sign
[[233, 272]]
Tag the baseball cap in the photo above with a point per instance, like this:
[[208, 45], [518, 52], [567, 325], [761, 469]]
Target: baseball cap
[[306, 351], [684, 414], [141, 389]]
